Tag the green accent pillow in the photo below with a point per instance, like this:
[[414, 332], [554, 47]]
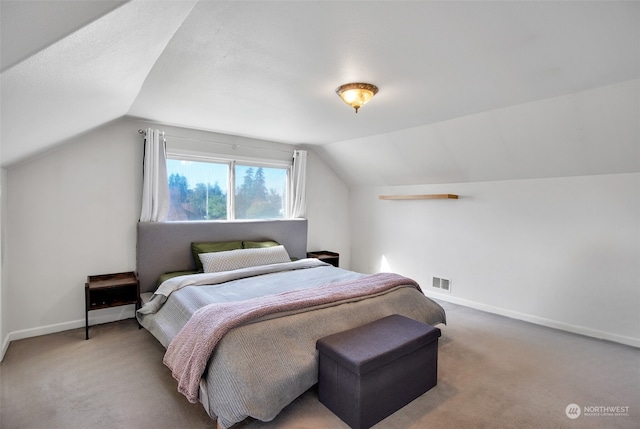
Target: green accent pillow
[[259, 244], [198, 247]]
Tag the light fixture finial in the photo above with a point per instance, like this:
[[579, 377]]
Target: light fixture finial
[[356, 94]]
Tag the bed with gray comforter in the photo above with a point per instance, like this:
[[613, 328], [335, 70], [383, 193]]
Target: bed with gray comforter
[[265, 362], [261, 366]]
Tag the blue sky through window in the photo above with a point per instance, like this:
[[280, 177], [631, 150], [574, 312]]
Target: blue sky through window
[[212, 173], [199, 172]]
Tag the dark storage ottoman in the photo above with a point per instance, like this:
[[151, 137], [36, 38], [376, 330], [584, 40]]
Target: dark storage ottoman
[[369, 372]]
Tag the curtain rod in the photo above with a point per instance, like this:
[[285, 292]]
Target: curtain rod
[[233, 145]]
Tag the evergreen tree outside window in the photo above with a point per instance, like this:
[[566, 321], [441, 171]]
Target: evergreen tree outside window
[[261, 193]]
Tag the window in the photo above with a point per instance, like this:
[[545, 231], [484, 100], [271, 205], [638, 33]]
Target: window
[[199, 189], [260, 192]]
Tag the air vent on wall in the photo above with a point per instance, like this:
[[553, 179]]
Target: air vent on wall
[[440, 283]]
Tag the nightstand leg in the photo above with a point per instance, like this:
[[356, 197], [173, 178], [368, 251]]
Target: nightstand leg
[[86, 312]]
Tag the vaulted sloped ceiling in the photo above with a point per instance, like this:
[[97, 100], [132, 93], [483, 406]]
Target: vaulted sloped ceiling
[[469, 91], [89, 77]]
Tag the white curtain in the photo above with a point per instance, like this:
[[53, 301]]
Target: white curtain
[[298, 185], [155, 185]]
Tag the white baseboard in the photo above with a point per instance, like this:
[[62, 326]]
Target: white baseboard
[[5, 346], [99, 317], [629, 341], [127, 314]]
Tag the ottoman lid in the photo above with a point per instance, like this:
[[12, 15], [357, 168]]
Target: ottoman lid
[[370, 346]]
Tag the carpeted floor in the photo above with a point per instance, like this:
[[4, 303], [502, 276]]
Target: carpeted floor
[[494, 372]]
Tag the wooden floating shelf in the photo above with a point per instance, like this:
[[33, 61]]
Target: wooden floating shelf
[[420, 197]]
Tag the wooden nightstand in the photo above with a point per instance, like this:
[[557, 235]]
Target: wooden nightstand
[[327, 256], [110, 290]]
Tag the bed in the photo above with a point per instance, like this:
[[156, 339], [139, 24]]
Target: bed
[[253, 328]]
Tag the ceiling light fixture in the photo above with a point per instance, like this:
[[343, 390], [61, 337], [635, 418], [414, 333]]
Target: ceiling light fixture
[[356, 94]]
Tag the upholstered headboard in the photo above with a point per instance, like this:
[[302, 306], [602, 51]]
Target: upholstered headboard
[[166, 246]]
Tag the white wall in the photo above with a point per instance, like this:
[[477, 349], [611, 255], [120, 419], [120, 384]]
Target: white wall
[[72, 212], [561, 252], [327, 210]]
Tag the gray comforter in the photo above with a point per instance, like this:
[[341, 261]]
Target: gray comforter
[[259, 368]]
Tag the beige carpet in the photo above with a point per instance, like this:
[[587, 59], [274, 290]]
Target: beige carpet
[[494, 373]]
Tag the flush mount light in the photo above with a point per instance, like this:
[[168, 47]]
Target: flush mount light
[[356, 94]]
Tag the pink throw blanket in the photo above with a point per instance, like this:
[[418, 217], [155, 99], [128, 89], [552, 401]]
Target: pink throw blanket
[[188, 353]]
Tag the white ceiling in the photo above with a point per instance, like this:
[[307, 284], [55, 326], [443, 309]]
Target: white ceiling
[[268, 69]]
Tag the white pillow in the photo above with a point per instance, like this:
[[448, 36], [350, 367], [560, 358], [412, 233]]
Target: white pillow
[[242, 258]]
